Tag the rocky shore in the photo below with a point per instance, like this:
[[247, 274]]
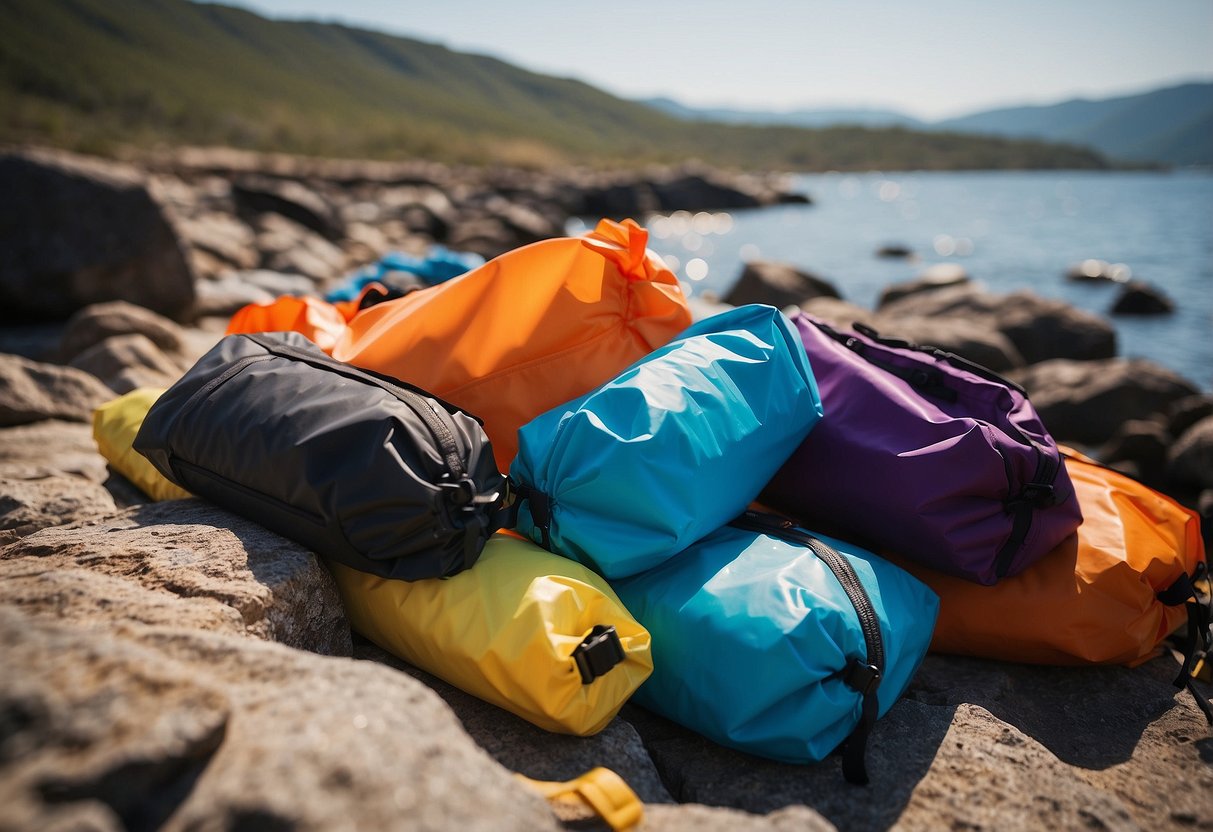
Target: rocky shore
[[173, 666]]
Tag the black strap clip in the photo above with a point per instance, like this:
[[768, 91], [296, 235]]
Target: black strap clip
[[1183, 591], [600, 651]]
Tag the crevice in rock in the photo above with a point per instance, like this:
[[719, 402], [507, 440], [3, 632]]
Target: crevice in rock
[[143, 793]]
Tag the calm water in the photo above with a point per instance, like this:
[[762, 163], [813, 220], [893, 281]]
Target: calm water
[[1009, 230]]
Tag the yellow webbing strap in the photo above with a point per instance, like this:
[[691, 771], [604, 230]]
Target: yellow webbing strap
[[599, 790]]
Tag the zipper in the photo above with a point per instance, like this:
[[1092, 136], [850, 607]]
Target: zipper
[[178, 464], [413, 398], [869, 623]]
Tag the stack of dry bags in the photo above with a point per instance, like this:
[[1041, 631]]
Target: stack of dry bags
[[765, 638], [387, 483]]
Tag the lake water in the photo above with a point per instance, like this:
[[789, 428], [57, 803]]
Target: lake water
[[1009, 230]]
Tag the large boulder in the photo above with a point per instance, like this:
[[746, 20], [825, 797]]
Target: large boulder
[[271, 587], [31, 391], [1190, 460], [1087, 402], [778, 284], [1040, 328], [94, 324], [126, 362], [939, 276], [162, 727], [290, 199], [80, 231]]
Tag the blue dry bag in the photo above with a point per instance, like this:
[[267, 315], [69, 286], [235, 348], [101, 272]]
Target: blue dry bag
[[677, 445], [780, 643]]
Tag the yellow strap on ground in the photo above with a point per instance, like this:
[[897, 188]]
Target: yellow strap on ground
[[600, 790]]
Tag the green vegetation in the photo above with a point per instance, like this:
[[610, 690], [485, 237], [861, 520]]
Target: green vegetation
[[102, 75]]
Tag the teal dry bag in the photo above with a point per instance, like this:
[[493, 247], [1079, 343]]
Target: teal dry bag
[[677, 445], [778, 642]]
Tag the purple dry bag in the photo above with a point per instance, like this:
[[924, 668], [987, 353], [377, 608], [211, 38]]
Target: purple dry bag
[[925, 454]]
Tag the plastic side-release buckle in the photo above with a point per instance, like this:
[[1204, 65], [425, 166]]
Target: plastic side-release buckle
[[1035, 494], [598, 653], [864, 678]]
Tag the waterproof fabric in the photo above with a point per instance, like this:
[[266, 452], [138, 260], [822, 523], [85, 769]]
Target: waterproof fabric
[[927, 455], [317, 320], [679, 444], [115, 425], [1094, 598], [401, 270], [357, 467], [506, 631], [528, 330], [752, 634]]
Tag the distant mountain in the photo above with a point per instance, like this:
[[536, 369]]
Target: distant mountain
[[1171, 126], [104, 75], [849, 117]]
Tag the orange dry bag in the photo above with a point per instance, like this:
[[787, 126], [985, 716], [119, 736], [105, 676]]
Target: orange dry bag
[[528, 330], [1108, 594], [317, 320]]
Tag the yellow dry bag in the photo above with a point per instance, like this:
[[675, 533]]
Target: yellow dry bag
[[115, 424], [527, 630]]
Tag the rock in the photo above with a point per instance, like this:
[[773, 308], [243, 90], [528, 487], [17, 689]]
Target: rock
[[93, 324], [39, 342], [27, 505], [1040, 328], [777, 284], [224, 295], [1096, 271], [617, 201], [277, 283], [275, 589], [895, 251], [290, 199], [839, 313], [165, 727], [1139, 298], [939, 276], [698, 192], [50, 448], [31, 391], [1187, 412], [81, 231], [126, 362], [486, 236], [289, 247], [1086, 402], [970, 339], [221, 235], [522, 747], [1143, 443], [1190, 460]]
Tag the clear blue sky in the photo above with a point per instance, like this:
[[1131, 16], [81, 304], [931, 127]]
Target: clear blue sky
[[930, 59]]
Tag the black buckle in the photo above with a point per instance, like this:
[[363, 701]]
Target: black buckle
[[861, 677], [598, 653], [1039, 494], [464, 495]]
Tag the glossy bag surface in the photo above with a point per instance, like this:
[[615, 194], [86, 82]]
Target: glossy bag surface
[[927, 455], [1095, 597], [753, 635], [319, 321], [360, 468], [676, 446], [508, 631], [528, 330], [115, 425]]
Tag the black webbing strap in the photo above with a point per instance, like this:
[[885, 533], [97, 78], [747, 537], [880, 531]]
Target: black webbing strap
[[865, 679], [1183, 591]]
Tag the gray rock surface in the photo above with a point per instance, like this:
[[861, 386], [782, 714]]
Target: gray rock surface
[[162, 727], [1190, 459], [778, 284], [89, 232], [101, 321], [31, 391], [928, 282], [27, 505], [125, 362], [191, 549], [1139, 298], [1086, 402]]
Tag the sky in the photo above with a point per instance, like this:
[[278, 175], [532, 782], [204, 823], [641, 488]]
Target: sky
[[927, 59]]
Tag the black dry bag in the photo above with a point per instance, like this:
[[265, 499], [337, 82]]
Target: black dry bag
[[355, 465]]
